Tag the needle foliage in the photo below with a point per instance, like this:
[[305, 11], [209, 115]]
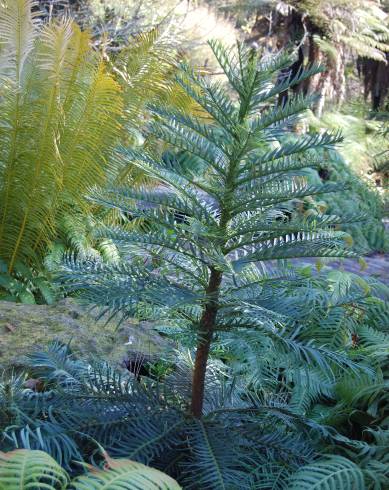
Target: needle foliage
[[227, 187]]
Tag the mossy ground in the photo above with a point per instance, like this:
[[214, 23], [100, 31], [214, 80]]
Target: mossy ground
[[25, 327]]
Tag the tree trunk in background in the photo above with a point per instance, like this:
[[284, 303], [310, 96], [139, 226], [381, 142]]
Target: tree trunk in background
[[376, 80], [290, 29], [331, 84]]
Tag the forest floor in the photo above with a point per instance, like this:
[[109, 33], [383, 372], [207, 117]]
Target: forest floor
[[377, 264]]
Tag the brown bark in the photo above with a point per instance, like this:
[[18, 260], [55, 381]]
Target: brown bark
[[376, 81], [292, 27], [207, 326], [314, 58]]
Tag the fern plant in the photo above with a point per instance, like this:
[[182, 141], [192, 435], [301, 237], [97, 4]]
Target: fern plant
[[23, 468], [333, 472], [26, 285], [26, 469], [360, 25], [60, 112], [267, 412], [82, 406], [234, 213], [64, 108], [344, 313], [250, 437], [357, 24]]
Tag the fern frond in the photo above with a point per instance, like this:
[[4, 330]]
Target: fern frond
[[28, 469], [124, 475], [25, 468], [18, 31], [44, 163], [211, 466], [329, 473]]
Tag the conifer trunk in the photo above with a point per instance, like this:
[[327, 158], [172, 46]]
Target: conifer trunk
[[207, 326]]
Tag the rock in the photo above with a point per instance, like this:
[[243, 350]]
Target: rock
[[34, 384], [35, 326]]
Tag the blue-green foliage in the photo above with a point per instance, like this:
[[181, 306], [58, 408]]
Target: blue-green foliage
[[227, 186], [223, 206], [271, 419], [360, 197], [86, 405]]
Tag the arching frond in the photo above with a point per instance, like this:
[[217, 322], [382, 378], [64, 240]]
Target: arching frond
[[329, 474], [28, 469], [63, 110], [60, 111], [124, 475], [23, 468], [18, 28]]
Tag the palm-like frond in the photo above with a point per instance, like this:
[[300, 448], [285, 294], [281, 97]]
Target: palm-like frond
[[148, 422], [147, 65], [124, 475], [214, 466], [23, 468], [329, 473], [360, 25], [18, 33], [31, 469], [52, 77], [63, 111]]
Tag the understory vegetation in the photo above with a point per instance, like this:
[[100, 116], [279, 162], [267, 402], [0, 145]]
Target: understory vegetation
[[206, 191]]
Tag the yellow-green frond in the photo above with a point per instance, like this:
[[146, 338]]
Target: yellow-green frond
[[59, 124], [125, 475], [17, 35], [22, 469]]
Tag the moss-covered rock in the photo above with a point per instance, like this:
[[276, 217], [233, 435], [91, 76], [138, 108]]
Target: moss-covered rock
[[25, 327]]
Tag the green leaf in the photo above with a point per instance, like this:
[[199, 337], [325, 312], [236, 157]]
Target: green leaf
[[124, 475], [23, 469], [26, 297], [329, 473]]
